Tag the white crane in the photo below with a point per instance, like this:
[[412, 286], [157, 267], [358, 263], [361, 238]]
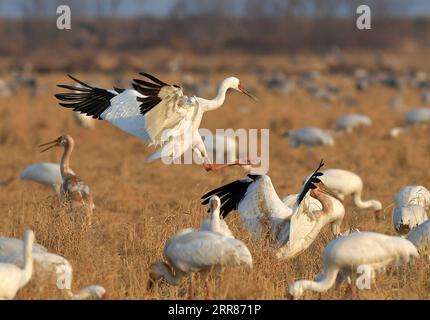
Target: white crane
[[344, 183], [48, 174], [417, 116], [310, 137], [12, 277], [411, 205], [208, 224], [259, 206], [414, 194], [49, 268], [194, 251], [358, 250], [73, 190], [350, 121], [406, 218], [420, 237], [155, 111]]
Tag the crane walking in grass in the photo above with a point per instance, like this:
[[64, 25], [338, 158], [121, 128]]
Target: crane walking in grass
[[73, 190]]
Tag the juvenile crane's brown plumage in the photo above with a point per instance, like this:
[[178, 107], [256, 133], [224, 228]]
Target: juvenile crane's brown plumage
[[73, 189]]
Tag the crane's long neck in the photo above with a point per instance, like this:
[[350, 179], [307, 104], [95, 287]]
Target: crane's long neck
[[218, 101], [215, 221], [28, 261], [356, 197], [65, 160], [164, 270], [327, 205], [323, 284]]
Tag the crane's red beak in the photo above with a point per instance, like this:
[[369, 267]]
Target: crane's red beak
[[244, 91]]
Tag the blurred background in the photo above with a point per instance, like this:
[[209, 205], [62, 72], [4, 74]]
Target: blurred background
[[110, 35]]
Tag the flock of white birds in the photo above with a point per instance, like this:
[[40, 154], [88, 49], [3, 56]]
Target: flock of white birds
[[162, 115]]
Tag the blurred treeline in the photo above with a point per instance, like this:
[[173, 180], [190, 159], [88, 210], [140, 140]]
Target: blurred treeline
[[206, 27]]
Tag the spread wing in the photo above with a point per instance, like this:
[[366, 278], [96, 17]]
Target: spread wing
[[154, 111]]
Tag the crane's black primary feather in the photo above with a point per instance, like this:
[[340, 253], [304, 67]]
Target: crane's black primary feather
[[310, 183], [230, 194], [150, 90], [88, 100]]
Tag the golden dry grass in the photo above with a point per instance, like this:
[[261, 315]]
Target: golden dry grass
[[139, 206]]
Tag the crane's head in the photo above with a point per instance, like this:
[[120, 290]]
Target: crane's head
[[236, 84], [61, 141], [214, 203]]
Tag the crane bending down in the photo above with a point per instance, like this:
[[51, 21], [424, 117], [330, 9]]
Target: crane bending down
[[47, 266], [155, 111], [344, 183], [290, 229], [12, 277], [193, 251], [411, 205], [348, 253], [73, 190]]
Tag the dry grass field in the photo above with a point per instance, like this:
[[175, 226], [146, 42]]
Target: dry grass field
[[139, 206]]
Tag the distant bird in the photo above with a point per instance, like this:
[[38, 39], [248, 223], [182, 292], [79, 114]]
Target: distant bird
[[47, 266], [417, 116], [280, 83], [350, 121], [406, 218], [310, 137], [397, 131], [73, 190], [359, 249], [420, 237], [217, 224], [344, 183], [12, 277], [194, 251], [425, 97], [48, 174], [396, 102], [154, 111]]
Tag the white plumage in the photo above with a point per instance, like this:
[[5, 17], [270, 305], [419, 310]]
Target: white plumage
[[84, 121], [155, 111], [345, 254], [193, 251], [48, 174], [214, 224], [344, 183], [350, 121], [310, 137], [417, 116], [420, 237], [49, 268], [12, 277], [409, 195], [406, 218]]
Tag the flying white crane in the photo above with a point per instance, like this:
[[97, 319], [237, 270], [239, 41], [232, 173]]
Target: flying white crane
[[349, 254], [344, 183], [48, 174], [194, 251], [350, 121], [84, 121], [293, 229], [73, 190], [47, 266], [420, 237], [310, 137], [217, 224], [12, 277], [155, 111]]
